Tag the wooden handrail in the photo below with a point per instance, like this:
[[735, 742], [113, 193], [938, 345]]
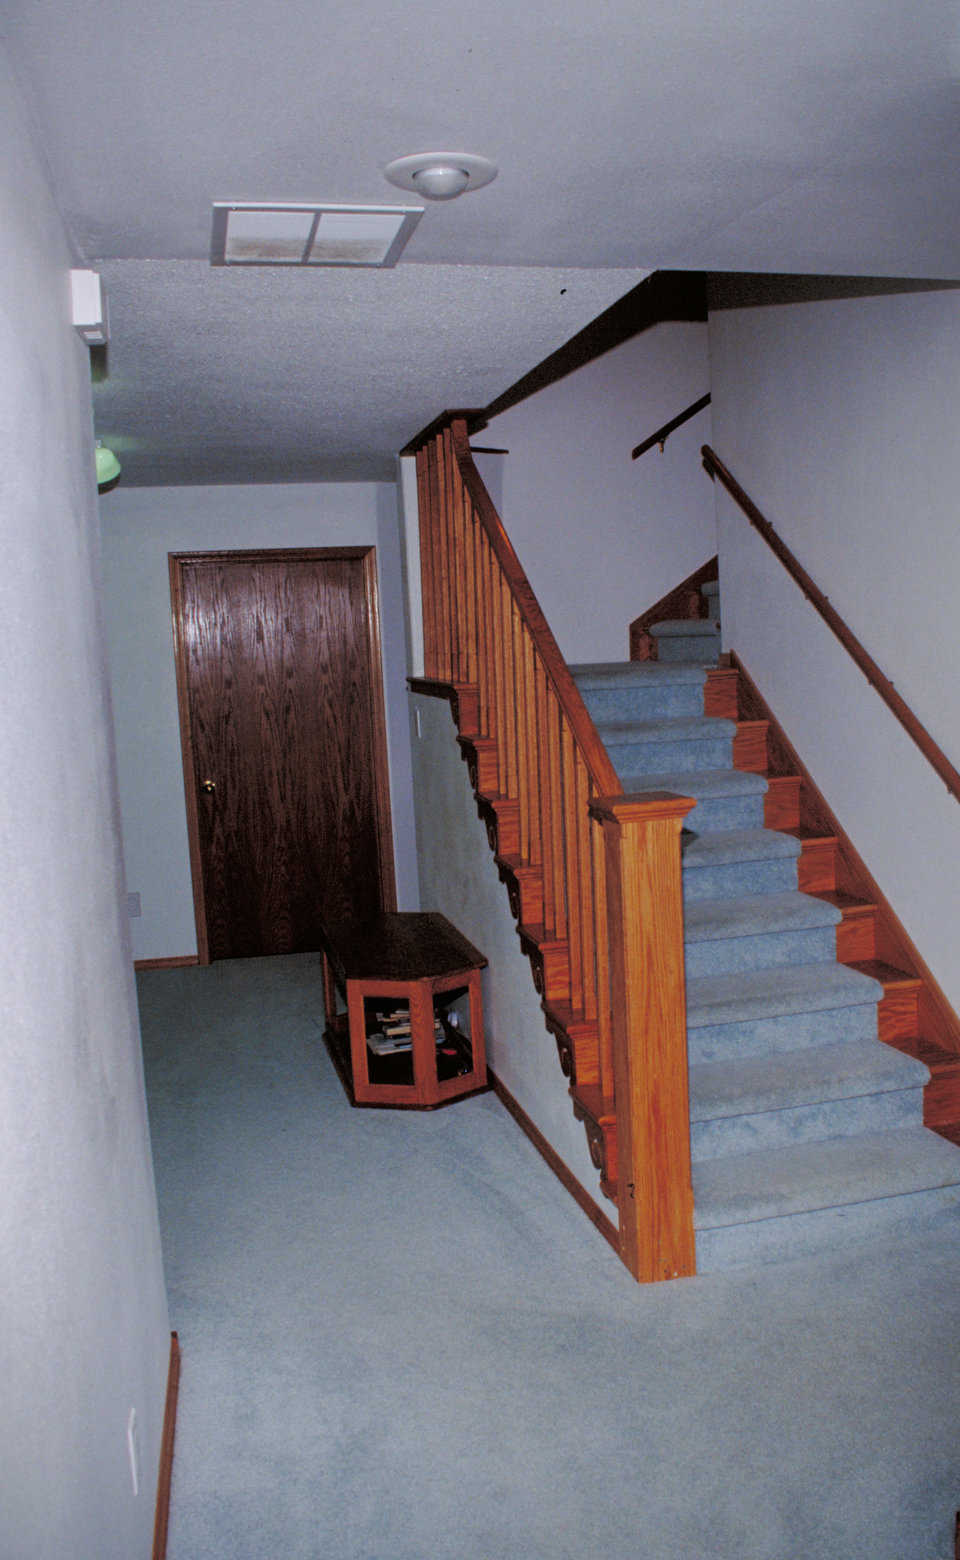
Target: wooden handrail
[[877, 679], [595, 875], [601, 769], [662, 434]]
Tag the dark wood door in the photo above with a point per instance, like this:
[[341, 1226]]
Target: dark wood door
[[284, 745]]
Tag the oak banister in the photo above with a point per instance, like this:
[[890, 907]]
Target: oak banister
[[580, 860], [559, 673], [877, 679], [555, 751], [649, 1043], [532, 749], [424, 505], [587, 905]]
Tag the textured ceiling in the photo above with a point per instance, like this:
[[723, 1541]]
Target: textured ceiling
[[272, 375], [813, 136]]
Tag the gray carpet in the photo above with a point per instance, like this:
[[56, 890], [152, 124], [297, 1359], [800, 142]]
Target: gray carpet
[[403, 1341]]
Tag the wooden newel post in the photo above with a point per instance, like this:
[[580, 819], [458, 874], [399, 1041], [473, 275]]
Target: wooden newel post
[[641, 836]]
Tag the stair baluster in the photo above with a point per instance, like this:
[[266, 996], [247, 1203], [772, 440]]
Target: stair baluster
[[575, 854]]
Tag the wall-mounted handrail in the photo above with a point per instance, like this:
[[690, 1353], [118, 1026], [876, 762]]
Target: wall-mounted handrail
[[877, 679], [662, 434]]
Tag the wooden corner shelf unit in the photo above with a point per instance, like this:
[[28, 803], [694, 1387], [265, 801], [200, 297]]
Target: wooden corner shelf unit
[[404, 1010]]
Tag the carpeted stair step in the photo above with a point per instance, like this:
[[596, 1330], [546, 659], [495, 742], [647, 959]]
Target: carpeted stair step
[[808, 1197], [805, 1131], [738, 862], [757, 932], [779, 1009], [694, 640], [639, 690], [758, 1102], [682, 743], [725, 798]]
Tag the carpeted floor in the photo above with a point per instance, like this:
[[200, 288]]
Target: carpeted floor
[[403, 1341]]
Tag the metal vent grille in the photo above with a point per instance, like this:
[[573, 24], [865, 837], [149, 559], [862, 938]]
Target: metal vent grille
[[264, 233]]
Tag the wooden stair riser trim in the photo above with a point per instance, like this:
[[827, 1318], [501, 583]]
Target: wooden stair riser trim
[[550, 963], [524, 887], [750, 747], [905, 1008], [817, 866], [480, 754], [502, 819], [720, 693], [641, 838], [600, 1123], [941, 1097], [781, 805], [857, 935], [577, 1043]]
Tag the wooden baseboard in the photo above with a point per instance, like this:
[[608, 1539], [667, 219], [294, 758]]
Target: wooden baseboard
[[165, 1475], [185, 961], [563, 1174]]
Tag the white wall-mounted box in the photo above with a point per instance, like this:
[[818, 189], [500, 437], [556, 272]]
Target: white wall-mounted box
[[89, 307]]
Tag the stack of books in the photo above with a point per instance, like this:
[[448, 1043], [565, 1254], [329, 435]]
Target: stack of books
[[393, 1034]]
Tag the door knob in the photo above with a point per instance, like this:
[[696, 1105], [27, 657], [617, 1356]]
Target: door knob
[[209, 786]]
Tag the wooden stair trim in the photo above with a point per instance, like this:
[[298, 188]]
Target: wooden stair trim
[[161, 1515], [562, 1171], [750, 746], [684, 601], [599, 1118], [576, 1038], [893, 947]]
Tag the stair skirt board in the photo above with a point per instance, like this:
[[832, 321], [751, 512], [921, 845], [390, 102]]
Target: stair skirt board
[[806, 1130]]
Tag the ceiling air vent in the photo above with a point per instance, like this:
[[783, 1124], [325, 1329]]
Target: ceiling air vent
[[261, 233]]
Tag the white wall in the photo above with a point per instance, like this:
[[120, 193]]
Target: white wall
[[85, 1330], [602, 537], [458, 877], [140, 527], [839, 417]]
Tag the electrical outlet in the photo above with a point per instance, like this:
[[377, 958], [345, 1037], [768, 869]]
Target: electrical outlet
[[133, 905], [133, 1448]]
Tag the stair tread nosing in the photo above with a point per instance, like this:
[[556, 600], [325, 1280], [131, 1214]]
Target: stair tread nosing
[[756, 915], [667, 728], [617, 674], [748, 1085], [772, 993], [831, 1173], [729, 846], [699, 782]]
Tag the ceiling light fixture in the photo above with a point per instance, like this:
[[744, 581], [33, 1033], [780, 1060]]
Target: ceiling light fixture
[[441, 175], [108, 467], [309, 233]]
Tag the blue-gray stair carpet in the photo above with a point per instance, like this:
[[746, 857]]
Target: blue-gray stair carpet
[[402, 1340], [806, 1130]]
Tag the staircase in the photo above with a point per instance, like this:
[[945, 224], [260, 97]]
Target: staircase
[[806, 1130]]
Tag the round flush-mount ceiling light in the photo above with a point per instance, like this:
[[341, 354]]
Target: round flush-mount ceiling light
[[441, 175]]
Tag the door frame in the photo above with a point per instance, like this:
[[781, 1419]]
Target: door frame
[[381, 778]]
